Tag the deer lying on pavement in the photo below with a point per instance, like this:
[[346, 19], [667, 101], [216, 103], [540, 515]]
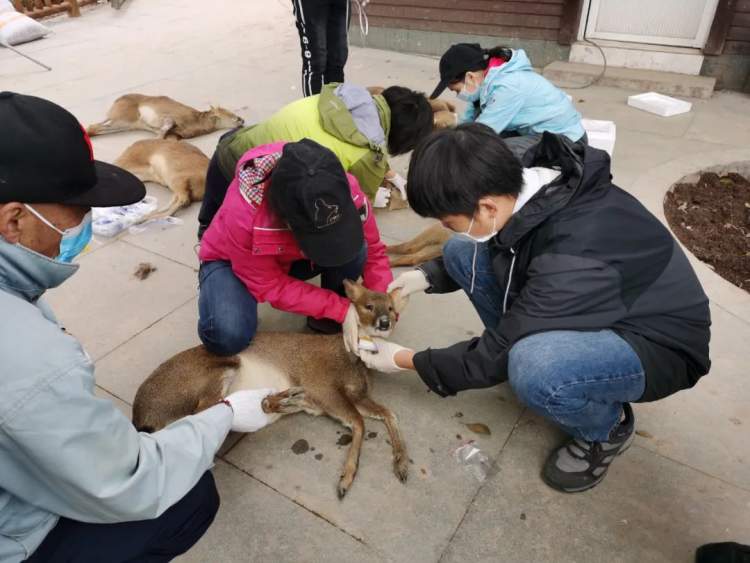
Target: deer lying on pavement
[[425, 246], [313, 373], [164, 116], [178, 165]]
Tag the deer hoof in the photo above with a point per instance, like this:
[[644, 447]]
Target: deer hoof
[[401, 468], [342, 489], [289, 401]]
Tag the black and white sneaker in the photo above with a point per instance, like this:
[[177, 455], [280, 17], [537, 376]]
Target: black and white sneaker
[[580, 465]]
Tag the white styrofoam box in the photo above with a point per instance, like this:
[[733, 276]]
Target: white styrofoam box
[[6, 6], [601, 134], [659, 104], [18, 28]]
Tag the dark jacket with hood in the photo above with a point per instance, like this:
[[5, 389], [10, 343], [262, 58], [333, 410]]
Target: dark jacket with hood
[[582, 254]]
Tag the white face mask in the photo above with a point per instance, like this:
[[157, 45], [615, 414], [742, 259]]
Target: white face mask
[[484, 238]]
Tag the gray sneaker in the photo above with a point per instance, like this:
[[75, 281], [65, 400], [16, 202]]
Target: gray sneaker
[[580, 465]]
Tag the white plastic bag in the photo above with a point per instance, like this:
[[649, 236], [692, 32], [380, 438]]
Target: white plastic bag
[[18, 28], [109, 221]]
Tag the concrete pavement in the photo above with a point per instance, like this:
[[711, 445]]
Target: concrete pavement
[[686, 480]]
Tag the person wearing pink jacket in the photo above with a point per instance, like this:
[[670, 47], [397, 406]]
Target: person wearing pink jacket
[[291, 213]]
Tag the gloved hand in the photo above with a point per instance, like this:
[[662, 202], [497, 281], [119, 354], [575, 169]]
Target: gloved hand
[[410, 282], [248, 415], [399, 182], [384, 359], [444, 119], [350, 329]]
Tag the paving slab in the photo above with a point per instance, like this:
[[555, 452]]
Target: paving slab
[[123, 370], [104, 305], [379, 510], [432, 428], [257, 524], [706, 427], [648, 509]]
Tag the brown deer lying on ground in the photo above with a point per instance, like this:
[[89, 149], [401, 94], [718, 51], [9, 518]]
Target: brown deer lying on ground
[[425, 246], [163, 116], [178, 165], [313, 373]]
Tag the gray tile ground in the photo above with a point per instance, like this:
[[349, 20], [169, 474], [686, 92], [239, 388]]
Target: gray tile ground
[[686, 484]]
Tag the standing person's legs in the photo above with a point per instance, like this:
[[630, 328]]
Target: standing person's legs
[[337, 40], [583, 382], [466, 269], [311, 17], [216, 188], [149, 541], [228, 313]]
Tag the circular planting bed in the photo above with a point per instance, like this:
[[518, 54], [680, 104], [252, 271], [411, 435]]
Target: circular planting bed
[[710, 213]]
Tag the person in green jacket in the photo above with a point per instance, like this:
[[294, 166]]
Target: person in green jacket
[[361, 129]]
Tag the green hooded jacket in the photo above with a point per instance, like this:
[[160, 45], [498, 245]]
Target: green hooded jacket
[[324, 118]]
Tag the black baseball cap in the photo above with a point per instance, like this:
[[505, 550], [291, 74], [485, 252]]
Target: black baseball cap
[[458, 60], [46, 157], [309, 189]]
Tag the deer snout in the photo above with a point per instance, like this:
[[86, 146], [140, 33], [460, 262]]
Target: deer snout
[[383, 323]]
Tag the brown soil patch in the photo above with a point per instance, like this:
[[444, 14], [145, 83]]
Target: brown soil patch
[[712, 218]]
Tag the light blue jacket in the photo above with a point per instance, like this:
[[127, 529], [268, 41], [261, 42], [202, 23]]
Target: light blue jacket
[[513, 97], [64, 451]]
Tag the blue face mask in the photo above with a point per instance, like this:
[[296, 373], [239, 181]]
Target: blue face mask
[[466, 96], [74, 239]]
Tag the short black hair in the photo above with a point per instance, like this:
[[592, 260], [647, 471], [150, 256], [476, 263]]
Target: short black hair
[[411, 118], [452, 169]]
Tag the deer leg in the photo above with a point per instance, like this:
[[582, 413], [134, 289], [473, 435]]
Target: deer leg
[[289, 401], [338, 406], [180, 199], [108, 126], [165, 128], [369, 408]]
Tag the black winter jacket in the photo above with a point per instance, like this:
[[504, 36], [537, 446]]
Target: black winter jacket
[[582, 254]]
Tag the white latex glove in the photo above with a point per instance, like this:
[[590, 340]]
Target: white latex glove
[[410, 282], [248, 415], [400, 183], [351, 330], [384, 359]]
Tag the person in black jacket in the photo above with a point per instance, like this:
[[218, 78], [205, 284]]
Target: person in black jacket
[[588, 301]]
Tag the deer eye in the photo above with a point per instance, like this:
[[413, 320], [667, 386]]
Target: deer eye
[[370, 307], [390, 309]]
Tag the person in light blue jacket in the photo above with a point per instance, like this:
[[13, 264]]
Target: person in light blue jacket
[[77, 481], [504, 92]]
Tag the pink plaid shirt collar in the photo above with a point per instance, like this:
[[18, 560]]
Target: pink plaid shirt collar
[[252, 177]]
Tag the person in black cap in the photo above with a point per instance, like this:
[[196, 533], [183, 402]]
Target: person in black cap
[[503, 91], [290, 214], [77, 481]]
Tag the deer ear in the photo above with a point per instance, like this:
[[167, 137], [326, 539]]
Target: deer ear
[[399, 300], [354, 290]]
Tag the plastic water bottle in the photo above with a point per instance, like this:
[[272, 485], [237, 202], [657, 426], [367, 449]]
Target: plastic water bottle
[[475, 461]]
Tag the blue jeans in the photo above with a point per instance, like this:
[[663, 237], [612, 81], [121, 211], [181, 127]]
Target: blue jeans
[[578, 380], [227, 311]]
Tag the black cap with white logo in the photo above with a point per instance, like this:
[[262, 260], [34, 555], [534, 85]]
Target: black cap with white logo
[[457, 61], [309, 189], [46, 157]]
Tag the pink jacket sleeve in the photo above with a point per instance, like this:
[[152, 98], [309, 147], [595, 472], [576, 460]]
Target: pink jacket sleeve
[[267, 281], [377, 272]]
